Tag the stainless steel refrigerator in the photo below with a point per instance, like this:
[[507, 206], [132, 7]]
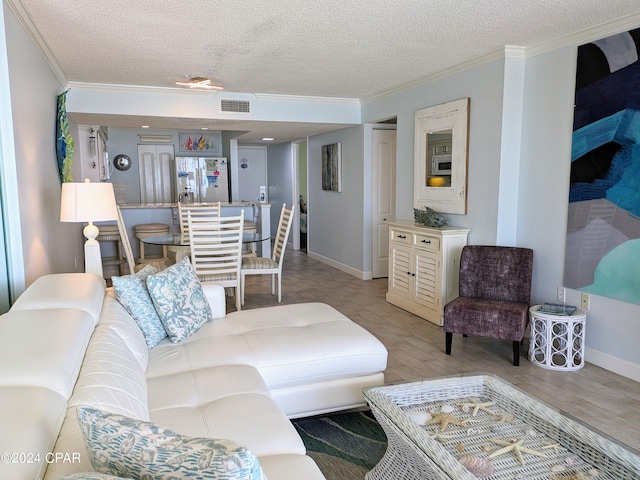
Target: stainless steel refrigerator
[[202, 180]]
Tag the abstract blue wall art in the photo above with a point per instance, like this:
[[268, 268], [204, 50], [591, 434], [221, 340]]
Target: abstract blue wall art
[[603, 229]]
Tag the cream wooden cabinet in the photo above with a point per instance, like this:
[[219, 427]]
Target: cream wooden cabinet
[[423, 267]]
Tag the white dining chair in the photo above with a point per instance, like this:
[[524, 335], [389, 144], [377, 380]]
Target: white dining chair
[[159, 263], [216, 250], [208, 210], [270, 266]]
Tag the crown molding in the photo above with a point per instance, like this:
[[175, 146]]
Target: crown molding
[[139, 89], [42, 46], [581, 37], [271, 97], [586, 35], [491, 56]]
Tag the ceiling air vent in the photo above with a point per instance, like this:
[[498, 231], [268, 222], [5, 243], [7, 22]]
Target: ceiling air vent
[[237, 106]]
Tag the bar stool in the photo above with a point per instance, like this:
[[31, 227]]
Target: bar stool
[[249, 249], [250, 226], [149, 230], [111, 233]]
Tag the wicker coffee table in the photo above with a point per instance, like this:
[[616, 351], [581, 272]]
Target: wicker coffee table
[[499, 431]]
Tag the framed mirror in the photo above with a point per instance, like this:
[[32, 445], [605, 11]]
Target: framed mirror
[[440, 157]]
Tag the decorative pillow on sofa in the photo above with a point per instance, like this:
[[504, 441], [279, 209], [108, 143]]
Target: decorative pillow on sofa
[[180, 302], [131, 292], [93, 476], [120, 445]]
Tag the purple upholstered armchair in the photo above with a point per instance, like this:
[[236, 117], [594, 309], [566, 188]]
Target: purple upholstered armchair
[[495, 289]]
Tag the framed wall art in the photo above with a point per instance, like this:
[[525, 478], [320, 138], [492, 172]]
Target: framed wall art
[[205, 142], [603, 223], [332, 167], [440, 157]]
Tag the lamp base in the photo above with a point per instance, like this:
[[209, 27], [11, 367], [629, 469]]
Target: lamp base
[[92, 255]]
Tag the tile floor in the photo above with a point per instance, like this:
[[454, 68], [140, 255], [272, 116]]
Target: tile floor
[[596, 396]]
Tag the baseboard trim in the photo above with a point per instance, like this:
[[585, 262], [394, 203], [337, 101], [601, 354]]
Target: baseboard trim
[[613, 364], [341, 266]]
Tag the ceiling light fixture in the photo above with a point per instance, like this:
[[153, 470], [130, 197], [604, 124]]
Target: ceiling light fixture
[[268, 139], [199, 82]]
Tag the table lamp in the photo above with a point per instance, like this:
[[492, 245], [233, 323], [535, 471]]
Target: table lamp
[[89, 202]]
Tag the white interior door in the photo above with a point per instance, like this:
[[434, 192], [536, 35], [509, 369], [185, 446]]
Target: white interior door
[[384, 195], [252, 173]]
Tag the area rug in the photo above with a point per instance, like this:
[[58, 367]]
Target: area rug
[[345, 446]]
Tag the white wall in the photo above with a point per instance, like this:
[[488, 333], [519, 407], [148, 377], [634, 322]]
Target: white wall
[[34, 91], [335, 221]]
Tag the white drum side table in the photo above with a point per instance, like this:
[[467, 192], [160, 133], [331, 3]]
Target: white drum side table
[[557, 341]]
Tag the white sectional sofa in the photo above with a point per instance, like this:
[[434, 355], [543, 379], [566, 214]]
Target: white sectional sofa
[[68, 342]]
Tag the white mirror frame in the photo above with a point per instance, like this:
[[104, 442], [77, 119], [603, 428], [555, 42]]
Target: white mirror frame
[[452, 116]]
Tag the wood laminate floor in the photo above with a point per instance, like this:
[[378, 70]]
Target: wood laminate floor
[[607, 401]]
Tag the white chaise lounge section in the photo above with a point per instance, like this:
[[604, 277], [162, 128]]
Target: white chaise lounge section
[[68, 342]]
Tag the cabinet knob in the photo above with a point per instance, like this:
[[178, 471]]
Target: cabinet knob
[[426, 241], [402, 236]]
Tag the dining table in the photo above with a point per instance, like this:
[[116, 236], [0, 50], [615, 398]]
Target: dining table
[[179, 242]]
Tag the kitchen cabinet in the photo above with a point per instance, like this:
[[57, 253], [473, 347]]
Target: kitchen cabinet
[[423, 267]]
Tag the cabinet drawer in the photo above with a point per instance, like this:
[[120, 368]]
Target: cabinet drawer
[[427, 242], [401, 236]]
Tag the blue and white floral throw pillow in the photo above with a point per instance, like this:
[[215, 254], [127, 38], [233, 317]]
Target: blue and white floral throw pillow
[[119, 445], [92, 476], [179, 299], [131, 292]]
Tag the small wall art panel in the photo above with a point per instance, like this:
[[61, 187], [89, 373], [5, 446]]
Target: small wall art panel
[[332, 167]]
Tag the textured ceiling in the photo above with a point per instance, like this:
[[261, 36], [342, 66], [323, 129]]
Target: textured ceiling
[[330, 48]]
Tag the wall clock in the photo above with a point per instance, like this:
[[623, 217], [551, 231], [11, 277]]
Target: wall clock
[[122, 162]]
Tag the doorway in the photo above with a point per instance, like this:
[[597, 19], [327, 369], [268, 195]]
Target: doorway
[[383, 153], [251, 174], [301, 196]]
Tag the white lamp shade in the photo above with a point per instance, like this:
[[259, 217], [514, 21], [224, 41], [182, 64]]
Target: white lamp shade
[[87, 202]]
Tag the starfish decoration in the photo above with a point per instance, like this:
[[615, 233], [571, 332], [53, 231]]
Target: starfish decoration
[[440, 437], [444, 419], [554, 446], [504, 419], [484, 406], [516, 447]]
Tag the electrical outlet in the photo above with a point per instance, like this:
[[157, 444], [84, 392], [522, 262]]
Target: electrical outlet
[[561, 294], [585, 300]]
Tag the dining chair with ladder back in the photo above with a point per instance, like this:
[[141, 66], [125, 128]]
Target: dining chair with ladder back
[[216, 250], [208, 210], [270, 266], [159, 263]]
